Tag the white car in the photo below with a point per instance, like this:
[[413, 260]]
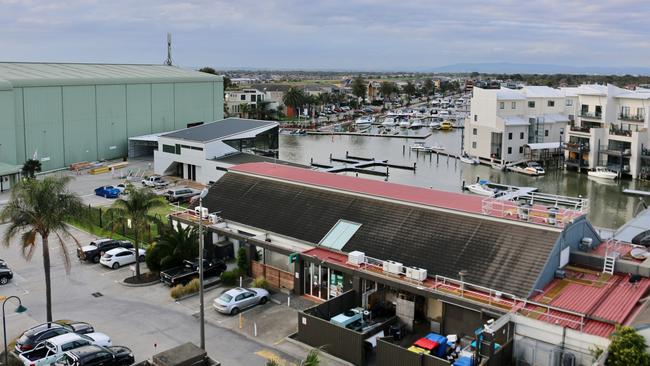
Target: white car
[[115, 258], [49, 351]]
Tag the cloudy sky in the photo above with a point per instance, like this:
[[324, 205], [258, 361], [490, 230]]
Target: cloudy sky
[[332, 34]]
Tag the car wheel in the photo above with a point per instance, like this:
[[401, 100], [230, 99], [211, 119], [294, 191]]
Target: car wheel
[[96, 259], [234, 311], [116, 265], [141, 259], [4, 280], [263, 300]]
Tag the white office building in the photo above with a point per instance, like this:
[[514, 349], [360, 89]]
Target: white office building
[[504, 122]]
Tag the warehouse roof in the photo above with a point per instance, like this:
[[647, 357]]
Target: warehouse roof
[[19, 74], [219, 130], [496, 253]]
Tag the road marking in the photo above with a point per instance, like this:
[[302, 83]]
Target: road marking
[[272, 356]]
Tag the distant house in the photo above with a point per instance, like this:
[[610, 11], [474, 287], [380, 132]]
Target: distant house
[[236, 98]]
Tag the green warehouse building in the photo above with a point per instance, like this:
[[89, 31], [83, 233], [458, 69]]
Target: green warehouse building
[[64, 113]]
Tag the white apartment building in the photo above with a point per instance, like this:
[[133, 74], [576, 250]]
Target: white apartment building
[[235, 98], [503, 122], [610, 129]]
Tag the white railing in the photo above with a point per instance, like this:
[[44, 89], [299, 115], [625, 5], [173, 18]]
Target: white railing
[[537, 208]]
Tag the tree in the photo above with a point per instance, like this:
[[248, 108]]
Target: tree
[[627, 348], [40, 207], [294, 98], [30, 168], [242, 260], [429, 87], [136, 210], [227, 83], [244, 110], [387, 88], [174, 245], [359, 88], [208, 70], [409, 89], [261, 110]]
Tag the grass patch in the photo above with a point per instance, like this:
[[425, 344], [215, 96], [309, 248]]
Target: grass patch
[[97, 231], [179, 291]]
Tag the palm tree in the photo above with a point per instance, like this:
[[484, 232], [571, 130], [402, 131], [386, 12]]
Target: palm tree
[[136, 210], [261, 110], [40, 207], [173, 246], [31, 167], [294, 98], [244, 110]]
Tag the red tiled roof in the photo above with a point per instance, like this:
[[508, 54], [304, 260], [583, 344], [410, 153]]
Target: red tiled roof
[[399, 192]]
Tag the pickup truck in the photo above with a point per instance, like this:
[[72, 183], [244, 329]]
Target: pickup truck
[[5, 273], [94, 251], [190, 270], [155, 181], [50, 351]]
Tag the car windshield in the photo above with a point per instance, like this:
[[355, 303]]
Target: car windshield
[[225, 298]]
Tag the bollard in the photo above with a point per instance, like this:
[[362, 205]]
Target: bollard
[[289, 301], [437, 158], [241, 279], [403, 149], [241, 321], [255, 328]]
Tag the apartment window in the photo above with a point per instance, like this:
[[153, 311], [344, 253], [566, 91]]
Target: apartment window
[[502, 105], [252, 97], [509, 135], [640, 112], [531, 104], [546, 133], [551, 103], [521, 135], [475, 118], [514, 105], [521, 149], [625, 111], [242, 97], [569, 102], [509, 150], [474, 131], [171, 149], [473, 144]]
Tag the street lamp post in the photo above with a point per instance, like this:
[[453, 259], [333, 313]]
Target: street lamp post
[[204, 192], [19, 309]]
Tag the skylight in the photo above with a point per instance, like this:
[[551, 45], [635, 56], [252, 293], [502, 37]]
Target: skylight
[[339, 234]]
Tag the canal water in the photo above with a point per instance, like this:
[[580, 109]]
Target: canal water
[[609, 207]]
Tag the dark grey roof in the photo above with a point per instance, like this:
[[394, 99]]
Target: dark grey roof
[[242, 158], [219, 129], [498, 254]]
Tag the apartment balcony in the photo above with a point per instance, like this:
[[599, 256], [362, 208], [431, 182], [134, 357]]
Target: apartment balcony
[[579, 129], [597, 116], [616, 151], [576, 147], [631, 118], [645, 154]]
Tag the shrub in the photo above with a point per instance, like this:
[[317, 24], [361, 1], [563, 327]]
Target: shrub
[[177, 291], [191, 287], [230, 278], [261, 282], [242, 260], [627, 348]]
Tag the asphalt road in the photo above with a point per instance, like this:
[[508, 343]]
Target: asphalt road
[[146, 319]]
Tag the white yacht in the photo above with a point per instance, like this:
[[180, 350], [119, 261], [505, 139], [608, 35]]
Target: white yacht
[[389, 122], [364, 121], [603, 172], [405, 124], [417, 124], [481, 188], [467, 159]]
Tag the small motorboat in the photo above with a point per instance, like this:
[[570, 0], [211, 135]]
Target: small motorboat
[[435, 125], [446, 126], [364, 121], [437, 147], [467, 159], [417, 124], [481, 188], [534, 169], [405, 124], [419, 146], [298, 132], [603, 173], [389, 122]]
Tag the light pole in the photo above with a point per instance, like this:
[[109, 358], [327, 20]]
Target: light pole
[[19, 309], [204, 192]]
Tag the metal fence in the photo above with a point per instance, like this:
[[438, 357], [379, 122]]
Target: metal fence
[[108, 220]]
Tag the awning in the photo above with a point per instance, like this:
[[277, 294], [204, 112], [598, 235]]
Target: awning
[[8, 169], [515, 121], [544, 145]]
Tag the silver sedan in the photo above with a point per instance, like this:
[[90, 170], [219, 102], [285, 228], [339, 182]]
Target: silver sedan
[[237, 299]]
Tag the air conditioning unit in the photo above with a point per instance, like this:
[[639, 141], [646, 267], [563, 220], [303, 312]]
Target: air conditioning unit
[[201, 211], [356, 257], [392, 267], [213, 218], [418, 274], [586, 243]]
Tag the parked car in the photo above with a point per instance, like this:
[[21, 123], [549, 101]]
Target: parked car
[[94, 251], [5, 273], [181, 194], [237, 299], [190, 270], [107, 192], [115, 258], [155, 181], [35, 335], [94, 355], [49, 351]]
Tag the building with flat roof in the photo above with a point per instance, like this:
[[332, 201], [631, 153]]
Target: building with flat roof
[[63, 113]]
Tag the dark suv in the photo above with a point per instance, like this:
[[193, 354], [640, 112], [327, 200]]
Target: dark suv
[[94, 251], [92, 355], [35, 335], [5, 273]]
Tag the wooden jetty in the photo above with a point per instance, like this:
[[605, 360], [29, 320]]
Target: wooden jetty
[[359, 164], [636, 192], [419, 137]]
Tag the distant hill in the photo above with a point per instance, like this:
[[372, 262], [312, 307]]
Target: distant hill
[[513, 68]]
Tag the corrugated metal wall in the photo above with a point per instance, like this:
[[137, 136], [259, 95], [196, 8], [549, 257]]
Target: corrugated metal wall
[[68, 124], [337, 341]]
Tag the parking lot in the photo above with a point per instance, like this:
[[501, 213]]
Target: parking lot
[[145, 319]]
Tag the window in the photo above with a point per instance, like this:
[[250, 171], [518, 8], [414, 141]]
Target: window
[[640, 112], [546, 133], [239, 297], [521, 149], [242, 97], [531, 104], [514, 105], [473, 144], [509, 150], [625, 111], [569, 102], [550, 103], [475, 118], [521, 135], [509, 135], [474, 131], [502, 105], [339, 234], [171, 149]]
